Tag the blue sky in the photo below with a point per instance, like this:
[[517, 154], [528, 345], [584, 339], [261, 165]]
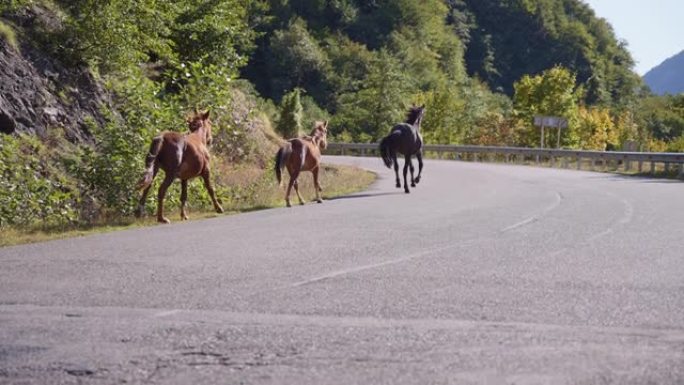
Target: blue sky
[[653, 29]]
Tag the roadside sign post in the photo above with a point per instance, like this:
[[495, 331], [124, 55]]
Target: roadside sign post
[[550, 121]]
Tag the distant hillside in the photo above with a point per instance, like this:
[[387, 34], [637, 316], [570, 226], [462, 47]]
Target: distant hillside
[[508, 39], [668, 76], [327, 48]]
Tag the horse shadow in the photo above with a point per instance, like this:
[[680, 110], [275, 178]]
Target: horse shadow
[[364, 195]]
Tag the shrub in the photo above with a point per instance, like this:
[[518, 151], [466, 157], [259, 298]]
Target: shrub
[[32, 187], [290, 122]]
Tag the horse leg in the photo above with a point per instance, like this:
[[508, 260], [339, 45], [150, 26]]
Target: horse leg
[[184, 199], [407, 162], [316, 180], [140, 211], [212, 194], [296, 186], [411, 169], [160, 198], [396, 168], [419, 156], [293, 179], [317, 186]]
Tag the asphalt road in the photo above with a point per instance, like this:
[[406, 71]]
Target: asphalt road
[[484, 274]]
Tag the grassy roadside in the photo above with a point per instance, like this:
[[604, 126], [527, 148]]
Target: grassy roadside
[[336, 180]]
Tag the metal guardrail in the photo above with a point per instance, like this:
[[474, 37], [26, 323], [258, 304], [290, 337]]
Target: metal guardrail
[[557, 157]]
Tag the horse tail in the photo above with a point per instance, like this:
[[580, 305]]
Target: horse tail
[[281, 159], [385, 151], [150, 161]]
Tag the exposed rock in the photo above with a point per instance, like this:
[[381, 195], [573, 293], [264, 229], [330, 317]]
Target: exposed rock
[[38, 94], [7, 124]]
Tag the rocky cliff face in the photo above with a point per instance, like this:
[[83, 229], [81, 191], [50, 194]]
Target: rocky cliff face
[[38, 94]]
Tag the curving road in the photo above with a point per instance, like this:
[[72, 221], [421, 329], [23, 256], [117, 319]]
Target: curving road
[[484, 274]]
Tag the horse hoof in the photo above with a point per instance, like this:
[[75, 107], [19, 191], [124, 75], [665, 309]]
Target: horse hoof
[[398, 185], [163, 220], [301, 203], [219, 210], [288, 204], [320, 201], [417, 180], [184, 218], [407, 191], [413, 185]]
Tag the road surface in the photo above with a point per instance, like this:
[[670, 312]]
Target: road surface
[[484, 274]]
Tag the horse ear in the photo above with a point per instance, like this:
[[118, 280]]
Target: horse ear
[[205, 116], [325, 124]]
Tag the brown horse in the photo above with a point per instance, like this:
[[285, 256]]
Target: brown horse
[[182, 156], [302, 154]]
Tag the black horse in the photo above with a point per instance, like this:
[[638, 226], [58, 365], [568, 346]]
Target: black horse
[[405, 139]]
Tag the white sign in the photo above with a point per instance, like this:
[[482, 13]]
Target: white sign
[[550, 121]]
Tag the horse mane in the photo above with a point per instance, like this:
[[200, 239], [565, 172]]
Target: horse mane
[[413, 115]]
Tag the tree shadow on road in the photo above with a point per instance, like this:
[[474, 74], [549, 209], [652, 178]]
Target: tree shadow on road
[[641, 178]]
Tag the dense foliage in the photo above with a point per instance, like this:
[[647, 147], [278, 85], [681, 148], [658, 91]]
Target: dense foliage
[[509, 39], [470, 61]]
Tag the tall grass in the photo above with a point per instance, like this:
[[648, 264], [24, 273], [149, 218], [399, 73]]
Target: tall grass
[[251, 189]]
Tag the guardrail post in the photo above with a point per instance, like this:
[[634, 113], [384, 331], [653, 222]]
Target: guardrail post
[[652, 167], [667, 167], [641, 166], [681, 171], [579, 162]]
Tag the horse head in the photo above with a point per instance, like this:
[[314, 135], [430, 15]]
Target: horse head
[[320, 134], [415, 115], [199, 122]]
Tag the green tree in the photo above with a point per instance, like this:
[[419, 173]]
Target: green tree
[[595, 129], [350, 64], [550, 93], [297, 60], [368, 113], [114, 34], [216, 32], [663, 116], [290, 122]]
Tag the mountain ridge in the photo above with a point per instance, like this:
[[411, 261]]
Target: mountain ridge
[[668, 76]]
